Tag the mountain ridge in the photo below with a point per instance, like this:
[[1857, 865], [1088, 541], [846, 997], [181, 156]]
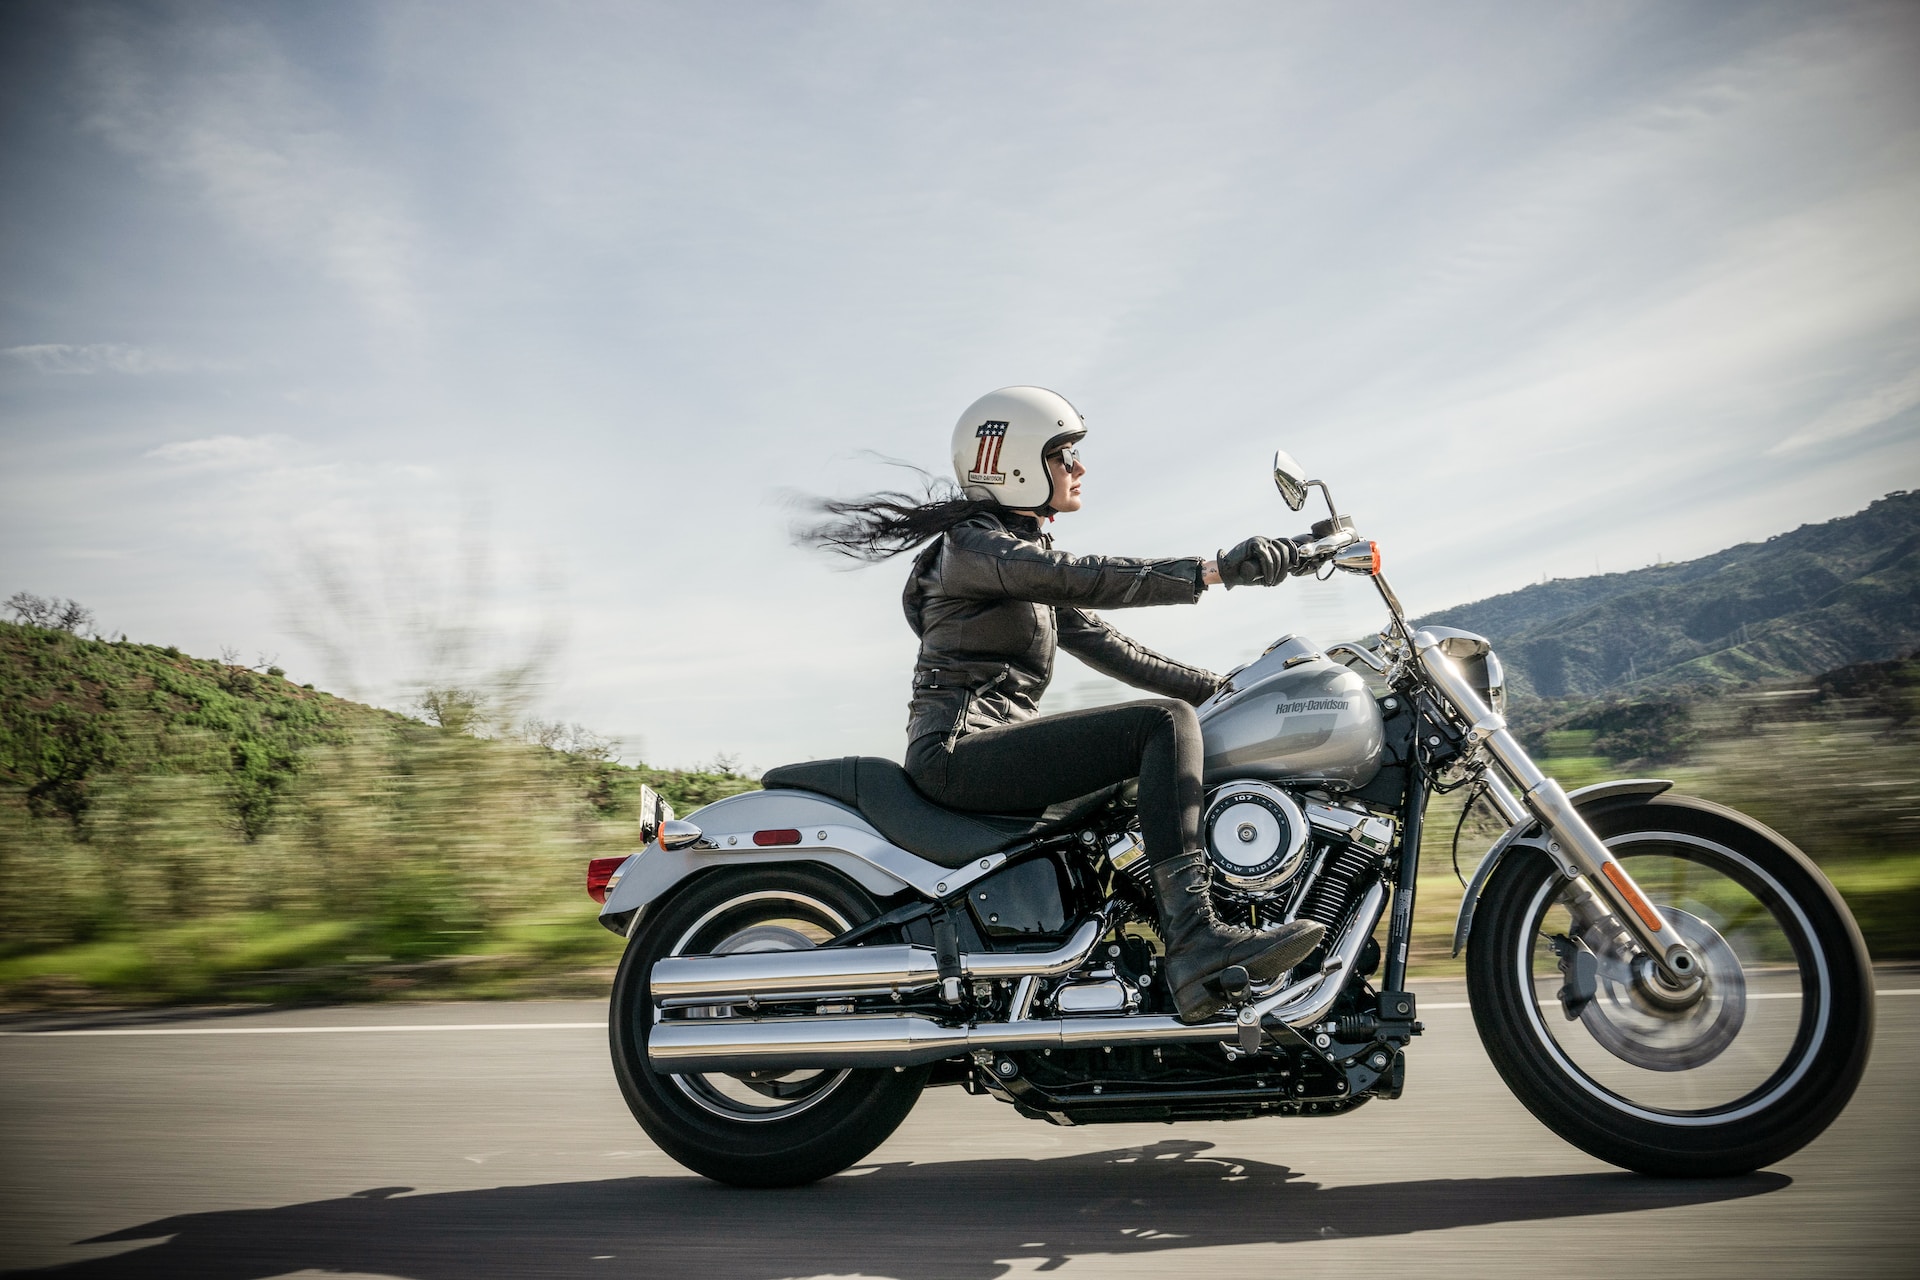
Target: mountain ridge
[[1799, 603]]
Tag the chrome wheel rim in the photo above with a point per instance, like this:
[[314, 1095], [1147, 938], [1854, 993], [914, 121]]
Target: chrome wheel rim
[[1725, 1051], [770, 920]]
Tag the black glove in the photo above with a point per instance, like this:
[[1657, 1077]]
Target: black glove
[[1257, 562]]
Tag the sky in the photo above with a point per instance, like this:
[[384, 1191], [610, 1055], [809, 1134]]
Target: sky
[[411, 344]]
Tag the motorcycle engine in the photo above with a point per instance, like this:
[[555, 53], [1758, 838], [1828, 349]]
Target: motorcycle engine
[[1256, 836], [1279, 855]]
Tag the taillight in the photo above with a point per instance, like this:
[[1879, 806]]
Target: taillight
[[780, 835], [602, 874]]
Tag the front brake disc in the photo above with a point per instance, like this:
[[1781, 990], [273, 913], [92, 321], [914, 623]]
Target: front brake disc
[[1644, 1022]]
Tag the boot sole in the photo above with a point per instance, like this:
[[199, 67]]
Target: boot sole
[[1291, 954], [1287, 955]]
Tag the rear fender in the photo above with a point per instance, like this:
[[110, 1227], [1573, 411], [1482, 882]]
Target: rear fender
[[831, 834], [1528, 833]]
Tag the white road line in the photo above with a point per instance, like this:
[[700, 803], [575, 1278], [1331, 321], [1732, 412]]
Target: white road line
[[305, 1031], [1752, 995], [565, 1026]]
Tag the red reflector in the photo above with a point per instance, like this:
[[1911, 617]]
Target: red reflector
[[599, 871], [785, 835]]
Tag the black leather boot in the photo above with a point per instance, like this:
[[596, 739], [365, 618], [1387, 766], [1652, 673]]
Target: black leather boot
[[1200, 946]]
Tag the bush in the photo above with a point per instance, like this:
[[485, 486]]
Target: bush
[[170, 826]]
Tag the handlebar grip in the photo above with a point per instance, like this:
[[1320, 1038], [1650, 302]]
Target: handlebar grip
[[1311, 553]]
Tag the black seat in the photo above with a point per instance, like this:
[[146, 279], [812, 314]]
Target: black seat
[[886, 797]]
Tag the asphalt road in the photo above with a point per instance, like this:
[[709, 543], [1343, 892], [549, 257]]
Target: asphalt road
[[490, 1148]]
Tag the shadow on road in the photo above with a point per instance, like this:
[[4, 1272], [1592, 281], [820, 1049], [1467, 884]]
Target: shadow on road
[[964, 1220]]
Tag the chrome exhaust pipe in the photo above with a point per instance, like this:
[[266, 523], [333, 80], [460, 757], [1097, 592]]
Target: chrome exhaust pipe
[[679, 981], [792, 975], [891, 1040], [1306, 1001]]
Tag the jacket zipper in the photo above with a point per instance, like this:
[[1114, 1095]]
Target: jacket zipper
[[966, 705]]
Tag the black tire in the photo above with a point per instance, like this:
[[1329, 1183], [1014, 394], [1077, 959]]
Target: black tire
[[831, 1120], [1681, 1099]]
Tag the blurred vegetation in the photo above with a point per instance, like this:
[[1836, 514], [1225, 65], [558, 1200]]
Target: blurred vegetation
[[1832, 763], [179, 828], [1764, 676], [185, 829]]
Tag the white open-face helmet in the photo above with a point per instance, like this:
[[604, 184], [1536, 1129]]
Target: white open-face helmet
[[1001, 442]]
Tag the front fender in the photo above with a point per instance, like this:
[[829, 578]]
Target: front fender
[[831, 834], [1527, 832]]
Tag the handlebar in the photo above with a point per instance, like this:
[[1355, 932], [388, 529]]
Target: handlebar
[[1311, 555]]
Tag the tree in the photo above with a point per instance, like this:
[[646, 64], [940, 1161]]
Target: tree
[[461, 710], [572, 739], [50, 612]]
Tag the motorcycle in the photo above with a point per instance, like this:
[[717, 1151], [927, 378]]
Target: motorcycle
[[1664, 982]]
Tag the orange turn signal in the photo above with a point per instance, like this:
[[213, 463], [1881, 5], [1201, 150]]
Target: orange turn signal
[[1640, 905]]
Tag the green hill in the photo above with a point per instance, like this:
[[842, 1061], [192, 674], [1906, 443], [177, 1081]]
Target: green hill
[[1800, 603], [76, 712], [179, 827]]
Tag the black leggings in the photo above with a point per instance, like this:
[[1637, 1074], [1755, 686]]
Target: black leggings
[[1041, 762]]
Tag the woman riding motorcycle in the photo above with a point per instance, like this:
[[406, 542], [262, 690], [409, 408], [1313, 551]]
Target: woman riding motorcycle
[[990, 599]]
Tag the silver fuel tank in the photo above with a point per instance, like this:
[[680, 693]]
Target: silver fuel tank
[[1293, 715]]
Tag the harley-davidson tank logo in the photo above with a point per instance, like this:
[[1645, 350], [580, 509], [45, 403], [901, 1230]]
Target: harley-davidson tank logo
[[986, 460], [1311, 704]]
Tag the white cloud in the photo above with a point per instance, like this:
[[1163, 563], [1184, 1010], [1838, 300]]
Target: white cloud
[[93, 357], [223, 452], [1860, 413], [214, 103]]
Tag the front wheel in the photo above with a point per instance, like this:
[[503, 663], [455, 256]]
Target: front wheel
[[760, 1128], [1739, 1069]]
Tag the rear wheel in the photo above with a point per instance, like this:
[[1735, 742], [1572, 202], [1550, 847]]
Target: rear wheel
[[1740, 1068], [763, 1128]]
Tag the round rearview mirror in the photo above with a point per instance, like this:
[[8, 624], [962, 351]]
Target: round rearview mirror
[[1290, 478]]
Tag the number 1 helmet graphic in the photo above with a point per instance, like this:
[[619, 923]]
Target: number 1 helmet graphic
[[1001, 442]]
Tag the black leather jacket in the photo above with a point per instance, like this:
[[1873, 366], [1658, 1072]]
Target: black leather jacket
[[990, 599]]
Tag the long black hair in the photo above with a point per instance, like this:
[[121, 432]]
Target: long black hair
[[882, 525]]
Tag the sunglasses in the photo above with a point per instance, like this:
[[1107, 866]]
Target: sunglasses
[[1069, 457]]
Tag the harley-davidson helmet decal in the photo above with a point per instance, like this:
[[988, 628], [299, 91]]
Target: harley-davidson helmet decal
[[986, 462]]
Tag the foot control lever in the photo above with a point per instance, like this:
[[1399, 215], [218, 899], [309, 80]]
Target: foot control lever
[[1236, 984]]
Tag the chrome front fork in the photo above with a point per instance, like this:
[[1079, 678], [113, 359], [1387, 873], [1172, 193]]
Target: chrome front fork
[[1574, 847]]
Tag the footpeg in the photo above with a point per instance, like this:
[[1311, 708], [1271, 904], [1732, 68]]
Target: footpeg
[[1237, 984], [1249, 1024]]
